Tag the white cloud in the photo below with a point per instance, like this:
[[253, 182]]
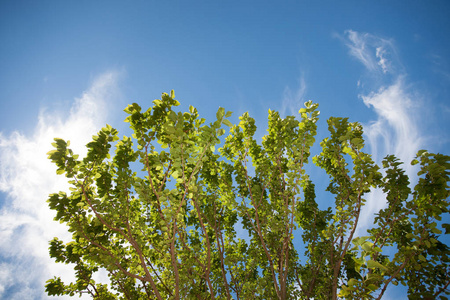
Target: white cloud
[[27, 177], [382, 61], [396, 126], [395, 129], [293, 101], [375, 53], [358, 49]]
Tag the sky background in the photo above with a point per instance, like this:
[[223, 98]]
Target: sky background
[[68, 68]]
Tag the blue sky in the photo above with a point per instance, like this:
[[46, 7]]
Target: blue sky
[[67, 68]]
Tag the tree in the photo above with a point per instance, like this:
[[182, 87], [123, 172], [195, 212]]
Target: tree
[[162, 215]]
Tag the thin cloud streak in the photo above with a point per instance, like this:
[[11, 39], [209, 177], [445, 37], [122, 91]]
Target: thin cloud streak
[[27, 177], [375, 53], [293, 100]]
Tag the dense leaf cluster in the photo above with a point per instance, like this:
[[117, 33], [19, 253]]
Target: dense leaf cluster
[[165, 215]]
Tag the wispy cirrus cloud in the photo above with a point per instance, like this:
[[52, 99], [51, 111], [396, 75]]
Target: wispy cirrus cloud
[[27, 177], [396, 129], [395, 102], [293, 99], [377, 54], [397, 105]]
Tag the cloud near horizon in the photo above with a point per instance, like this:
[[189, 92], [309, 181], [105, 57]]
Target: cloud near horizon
[[27, 177]]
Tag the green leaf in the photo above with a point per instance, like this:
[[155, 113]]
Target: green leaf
[[227, 122], [352, 282], [220, 113], [436, 231], [356, 141], [446, 227], [367, 247], [371, 264], [358, 241]]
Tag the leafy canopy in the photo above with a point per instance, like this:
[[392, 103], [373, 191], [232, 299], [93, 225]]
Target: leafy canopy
[[162, 215]]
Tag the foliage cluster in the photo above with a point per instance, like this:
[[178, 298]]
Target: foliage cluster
[[161, 215]]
